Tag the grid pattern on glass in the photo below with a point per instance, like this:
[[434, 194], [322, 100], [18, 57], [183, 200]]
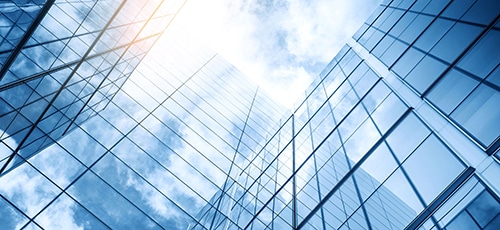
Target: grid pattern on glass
[[158, 151], [447, 52], [69, 69]]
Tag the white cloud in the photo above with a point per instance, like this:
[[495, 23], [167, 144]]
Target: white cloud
[[266, 38]]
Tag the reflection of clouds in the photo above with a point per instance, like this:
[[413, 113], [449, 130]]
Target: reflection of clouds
[[62, 209], [27, 189]]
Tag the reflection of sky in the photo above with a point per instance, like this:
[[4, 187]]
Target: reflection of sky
[[168, 167]]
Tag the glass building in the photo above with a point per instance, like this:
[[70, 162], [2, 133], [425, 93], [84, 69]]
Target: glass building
[[61, 62], [399, 131]]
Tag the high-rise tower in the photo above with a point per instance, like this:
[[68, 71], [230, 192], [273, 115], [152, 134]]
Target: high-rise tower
[[63, 61]]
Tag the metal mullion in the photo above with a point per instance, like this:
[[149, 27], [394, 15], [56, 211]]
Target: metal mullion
[[123, 196], [267, 142], [209, 104], [305, 125], [17, 209], [441, 199], [386, 33], [151, 113], [49, 71], [435, 17], [355, 167], [175, 15], [188, 143], [243, 207], [327, 100], [235, 154], [316, 167], [375, 19], [124, 135], [462, 54], [270, 163], [319, 145], [217, 92]]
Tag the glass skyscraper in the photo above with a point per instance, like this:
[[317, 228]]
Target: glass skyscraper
[[62, 61], [399, 131]]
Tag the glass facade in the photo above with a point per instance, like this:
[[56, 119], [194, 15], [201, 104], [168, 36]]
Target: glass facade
[[400, 131], [62, 61]]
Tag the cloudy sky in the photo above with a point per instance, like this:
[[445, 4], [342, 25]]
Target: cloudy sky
[[280, 44]]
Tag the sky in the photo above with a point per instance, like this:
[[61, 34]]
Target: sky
[[281, 45]]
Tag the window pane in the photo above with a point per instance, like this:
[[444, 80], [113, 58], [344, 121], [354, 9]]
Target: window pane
[[431, 154], [483, 57], [426, 72], [455, 41], [484, 208], [451, 90], [478, 112]]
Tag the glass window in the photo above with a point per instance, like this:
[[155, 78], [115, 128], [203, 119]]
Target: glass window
[[434, 7], [393, 53], [495, 77], [396, 191], [483, 57], [409, 59], [483, 12], [82, 146], [463, 222], [388, 112], [379, 165], [415, 28], [67, 167], [111, 207], [451, 90], [403, 23], [382, 46], [374, 39], [29, 196], [365, 136], [407, 136], [419, 5], [391, 20], [9, 216], [360, 32], [431, 154], [65, 213], [425, 73], [484, 208], [455, 41], [432, 34], [457, 8], [478, 112]]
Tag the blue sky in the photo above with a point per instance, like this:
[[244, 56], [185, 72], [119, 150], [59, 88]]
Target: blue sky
[[282, 45]]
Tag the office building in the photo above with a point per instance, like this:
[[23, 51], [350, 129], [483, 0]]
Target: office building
[[400, 131], [61, 62]]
